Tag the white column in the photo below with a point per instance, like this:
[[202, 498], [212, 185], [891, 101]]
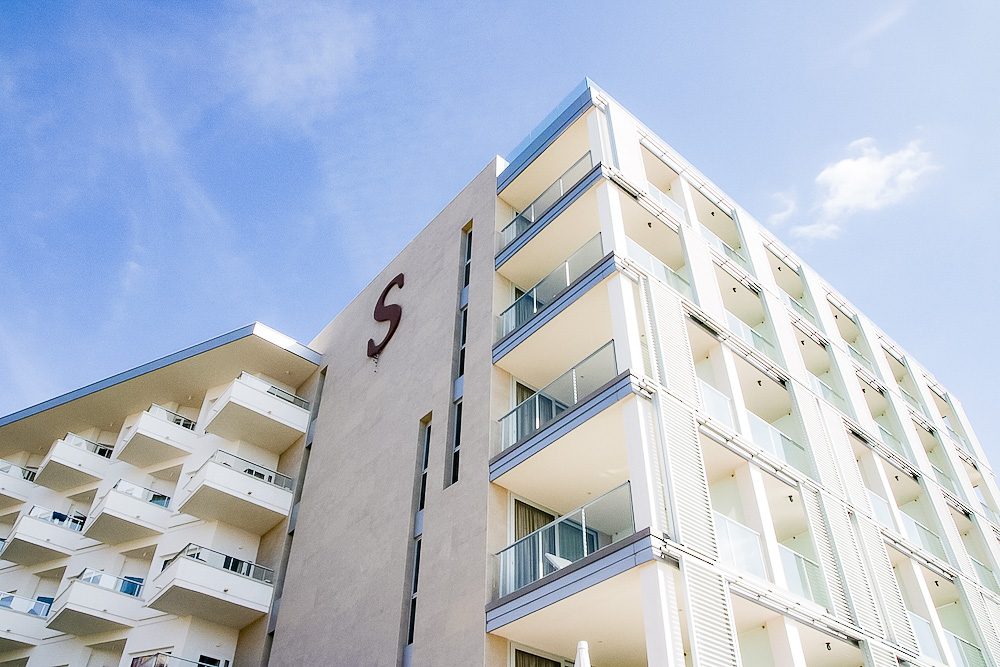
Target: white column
[[661, 620], [609, 211], [647, 503], [597, 132], [786, 644], [626, 145], [757, 512]]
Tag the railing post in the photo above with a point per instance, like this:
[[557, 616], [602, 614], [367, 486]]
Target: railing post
[[583, 529]]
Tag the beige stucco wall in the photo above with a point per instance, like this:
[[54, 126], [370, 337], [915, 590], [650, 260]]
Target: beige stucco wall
[[346, 585]]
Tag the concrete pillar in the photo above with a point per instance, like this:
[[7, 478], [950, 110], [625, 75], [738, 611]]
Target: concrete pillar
[[664, 645], [786, 643]]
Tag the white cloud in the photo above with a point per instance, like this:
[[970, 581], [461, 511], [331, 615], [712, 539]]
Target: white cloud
[[790, 208], [293, 57], [868, 182]]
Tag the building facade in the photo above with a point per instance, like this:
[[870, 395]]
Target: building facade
[[592, 400]]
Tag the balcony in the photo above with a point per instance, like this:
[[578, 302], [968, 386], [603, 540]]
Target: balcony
[[881, 510], [238, 492], [717, 405], [747, 334], [985, 576], [166, 660], [158, 436], [925, 637], [827, 393], [724, 248], [923, 536], [803, 576], [43, 535], [523, 221], [255, 411], [96, 602], [658, 269], [779, 445], [944, 479], [545, 405], [22, 622], [893, 443], [73, 461], [549, 288], [960, 442], [797, 306], [15, 484], [672, 208], [210, 585], [568, 539], [739, 546], [912, 401], [860, 358], [128, 512], [965, 654]]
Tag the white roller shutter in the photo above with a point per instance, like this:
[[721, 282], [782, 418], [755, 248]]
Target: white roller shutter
[[858, 584], [826, 556], [819, 444]]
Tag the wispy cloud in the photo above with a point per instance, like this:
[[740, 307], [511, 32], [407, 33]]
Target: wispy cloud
[[292, 58], [789, 208], [870, 181], [855, 48]]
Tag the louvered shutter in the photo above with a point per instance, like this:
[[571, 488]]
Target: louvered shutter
[[689, 483], [876, 655], [826, 556], [673, 350], [859, 587], [887, 587], [843, 453], [713, 639], [989, 639], [658, 473], [819, 445]]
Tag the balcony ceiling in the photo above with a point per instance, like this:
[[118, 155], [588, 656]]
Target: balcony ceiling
[[189, 373]]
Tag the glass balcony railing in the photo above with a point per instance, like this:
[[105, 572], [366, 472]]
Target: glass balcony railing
[[74, 522], [797, 306], [923, 536], [8, 468], [171, 416], [881, 509], [548, 288], [128, 586], [602, 521], [944, 479], [912, 400], [860, 358], [827, 392], [990, 514], [103, 451], [658, 269], [674, 209], [985, 576], [768, 438], [739, 546], [804, 576], [142, 493], [890, 441], [925, 636], [267, 387], [717, 405], [221, 561], [558, 396], [750, 336], [166, 660], [962, 443], [965, 654], [536, 209], [723, 247], [23, 605], [252, 469]]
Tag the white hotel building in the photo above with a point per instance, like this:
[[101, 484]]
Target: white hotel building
[[609, 406]]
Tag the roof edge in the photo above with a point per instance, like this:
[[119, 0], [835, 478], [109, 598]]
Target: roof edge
[[256, 329]]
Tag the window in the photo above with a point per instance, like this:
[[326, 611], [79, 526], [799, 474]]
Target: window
[[457, 442], [468, 259], [462, 332], [425, 456], [413, 593]]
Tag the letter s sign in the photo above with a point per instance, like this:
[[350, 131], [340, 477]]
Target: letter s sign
[[386, 313]]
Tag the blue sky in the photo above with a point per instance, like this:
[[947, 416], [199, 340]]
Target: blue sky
[[172, 171]]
